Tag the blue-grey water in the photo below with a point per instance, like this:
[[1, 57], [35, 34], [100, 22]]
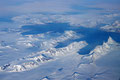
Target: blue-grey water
[[93, 36]]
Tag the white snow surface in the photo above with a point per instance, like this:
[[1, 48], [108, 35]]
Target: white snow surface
[[66, 64], [33, 57], [115, 27]]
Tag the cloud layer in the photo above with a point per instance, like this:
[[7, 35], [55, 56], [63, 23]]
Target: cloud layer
[[17, 7]]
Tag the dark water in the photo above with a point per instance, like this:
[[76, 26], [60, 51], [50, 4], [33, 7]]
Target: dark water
[[92, 36], [51, 27]]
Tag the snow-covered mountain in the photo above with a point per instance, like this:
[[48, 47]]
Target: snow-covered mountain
[[35, 59], [59, 39], [71, 65], [87, 66], [115, 27]]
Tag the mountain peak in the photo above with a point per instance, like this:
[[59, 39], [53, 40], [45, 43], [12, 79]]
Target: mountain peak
[[110, 40]]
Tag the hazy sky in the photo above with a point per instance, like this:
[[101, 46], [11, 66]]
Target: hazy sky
[[17, 7]]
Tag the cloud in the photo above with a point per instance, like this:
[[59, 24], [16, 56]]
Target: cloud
[[53, 6], [107, 4], [18, 7], [86, 20]]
